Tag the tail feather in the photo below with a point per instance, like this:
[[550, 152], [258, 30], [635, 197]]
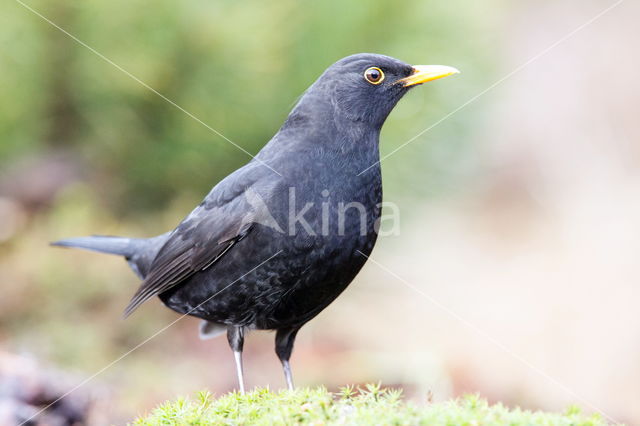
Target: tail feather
[[103, 244], [139, 252]]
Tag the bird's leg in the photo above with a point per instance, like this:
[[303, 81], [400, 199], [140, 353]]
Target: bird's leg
[[284, 345], [287, 374], [235, 336]]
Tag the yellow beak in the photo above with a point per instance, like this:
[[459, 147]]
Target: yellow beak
[[424, 73]]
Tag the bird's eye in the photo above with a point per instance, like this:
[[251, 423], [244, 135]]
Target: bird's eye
[[374, 75]]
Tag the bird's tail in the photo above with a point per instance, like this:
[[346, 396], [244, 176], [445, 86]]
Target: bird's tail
[[113, 245], [139, 252]]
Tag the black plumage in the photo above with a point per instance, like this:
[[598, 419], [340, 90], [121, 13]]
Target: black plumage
[[279, 239]]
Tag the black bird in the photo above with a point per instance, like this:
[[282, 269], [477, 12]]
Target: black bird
[[279, 239]]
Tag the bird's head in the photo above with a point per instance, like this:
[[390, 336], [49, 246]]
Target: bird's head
[[365, 87]]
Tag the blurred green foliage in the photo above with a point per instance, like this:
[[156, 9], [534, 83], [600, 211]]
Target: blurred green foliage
[[237, 66]]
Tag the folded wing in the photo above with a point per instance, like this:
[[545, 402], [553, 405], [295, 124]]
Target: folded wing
[[208, 233]]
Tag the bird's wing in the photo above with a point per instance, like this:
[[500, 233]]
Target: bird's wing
[[210, 231]]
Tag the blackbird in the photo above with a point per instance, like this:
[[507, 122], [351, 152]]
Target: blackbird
[[279, 239]]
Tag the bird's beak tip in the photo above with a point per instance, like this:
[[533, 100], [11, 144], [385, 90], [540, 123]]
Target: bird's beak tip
[[425, 73]]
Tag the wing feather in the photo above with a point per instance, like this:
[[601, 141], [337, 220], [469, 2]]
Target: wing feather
[[207, 234], [174, 272]]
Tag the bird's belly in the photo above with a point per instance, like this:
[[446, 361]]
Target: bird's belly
[[272, 290]]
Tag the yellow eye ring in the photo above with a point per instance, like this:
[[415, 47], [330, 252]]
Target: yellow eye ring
[[374, 75]]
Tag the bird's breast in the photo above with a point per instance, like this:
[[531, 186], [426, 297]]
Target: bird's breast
[[329, 227]]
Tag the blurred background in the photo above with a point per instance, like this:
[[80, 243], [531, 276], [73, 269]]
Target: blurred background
[[515, 273]]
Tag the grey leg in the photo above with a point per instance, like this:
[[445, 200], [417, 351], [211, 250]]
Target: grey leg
[[287, 374], [235, 336], [238, 357], [284, 346]]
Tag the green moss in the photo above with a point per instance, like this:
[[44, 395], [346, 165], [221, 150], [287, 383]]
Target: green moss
[[369, 406]]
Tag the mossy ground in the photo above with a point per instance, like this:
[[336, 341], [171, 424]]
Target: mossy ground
[[369, 406]]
